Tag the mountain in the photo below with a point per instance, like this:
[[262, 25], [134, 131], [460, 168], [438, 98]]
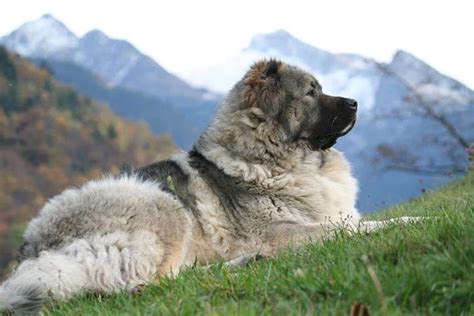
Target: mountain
[[121, 64], [428, 81], [118, 64], [44, 37], [161, 116], [51, 138], [411, 117]]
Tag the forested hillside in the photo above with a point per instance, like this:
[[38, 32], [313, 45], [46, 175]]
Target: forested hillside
[[52, 138]]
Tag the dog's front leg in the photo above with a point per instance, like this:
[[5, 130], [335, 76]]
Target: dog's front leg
[[372, 226], [286, 234], [282, 235], [243, 260], [239, 261]]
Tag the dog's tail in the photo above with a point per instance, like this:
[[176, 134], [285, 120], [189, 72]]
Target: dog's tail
[[50, 275], [105, 264]]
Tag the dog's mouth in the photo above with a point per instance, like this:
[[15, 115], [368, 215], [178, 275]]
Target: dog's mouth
[[331, 139], [347, 129]]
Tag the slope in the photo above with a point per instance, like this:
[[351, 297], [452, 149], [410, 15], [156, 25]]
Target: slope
[[423, 268]]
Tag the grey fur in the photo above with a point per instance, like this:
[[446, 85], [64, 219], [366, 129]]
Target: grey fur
[[25, 300], [262, 177]]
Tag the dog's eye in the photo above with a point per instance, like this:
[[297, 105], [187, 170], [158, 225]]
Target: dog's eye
[[311, 92]]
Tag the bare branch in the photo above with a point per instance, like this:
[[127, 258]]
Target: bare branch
[[428, 171], [441, 119]]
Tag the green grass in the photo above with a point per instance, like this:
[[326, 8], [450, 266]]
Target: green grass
[[424, 268]]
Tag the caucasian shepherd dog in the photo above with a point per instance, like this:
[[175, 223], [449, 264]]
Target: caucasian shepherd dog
[[262, 177]]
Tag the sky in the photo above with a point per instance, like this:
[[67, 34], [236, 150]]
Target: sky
[[187, 35]]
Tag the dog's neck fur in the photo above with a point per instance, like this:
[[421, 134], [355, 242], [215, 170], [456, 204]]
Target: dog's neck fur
[[257, 172], [265, 156]]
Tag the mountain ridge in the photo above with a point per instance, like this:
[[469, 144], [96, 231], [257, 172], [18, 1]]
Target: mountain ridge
[[105, 56]]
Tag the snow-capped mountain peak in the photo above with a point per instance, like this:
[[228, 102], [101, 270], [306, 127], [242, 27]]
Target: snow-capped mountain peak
[[41, 38], [278, 40], [97, 36], [412, 69], [110, 58], [262, 41], [428, 81], [282, 44]]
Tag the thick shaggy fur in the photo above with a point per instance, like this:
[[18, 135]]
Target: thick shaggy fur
[[262, 177]]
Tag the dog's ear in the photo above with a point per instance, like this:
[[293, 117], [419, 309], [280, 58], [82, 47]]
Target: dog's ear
[[260, 81], [271, 69], [261, 71]]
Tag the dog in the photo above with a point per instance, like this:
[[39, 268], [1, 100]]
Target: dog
[[261, 178]]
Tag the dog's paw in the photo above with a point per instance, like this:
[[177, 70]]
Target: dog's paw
[[137, 290]]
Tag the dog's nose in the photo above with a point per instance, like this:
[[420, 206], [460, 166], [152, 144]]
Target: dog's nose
[[351, 103]]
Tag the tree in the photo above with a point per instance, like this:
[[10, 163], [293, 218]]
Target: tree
[[8, 98], [398, 162]]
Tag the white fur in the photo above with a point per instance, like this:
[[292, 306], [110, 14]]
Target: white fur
[[103, 263]]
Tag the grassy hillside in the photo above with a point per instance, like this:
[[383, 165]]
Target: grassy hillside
[[52, 138], [425, 268]]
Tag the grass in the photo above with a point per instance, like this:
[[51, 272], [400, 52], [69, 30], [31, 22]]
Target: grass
[[424, 268]]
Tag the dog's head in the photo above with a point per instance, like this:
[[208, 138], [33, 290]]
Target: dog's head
[[292, 102]]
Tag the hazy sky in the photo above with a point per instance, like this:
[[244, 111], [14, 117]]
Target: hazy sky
[[186, 35]]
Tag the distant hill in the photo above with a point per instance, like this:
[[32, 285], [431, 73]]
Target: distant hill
[[51, 138]]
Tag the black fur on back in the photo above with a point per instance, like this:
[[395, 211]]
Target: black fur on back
[[232, 192], [166, 171]]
